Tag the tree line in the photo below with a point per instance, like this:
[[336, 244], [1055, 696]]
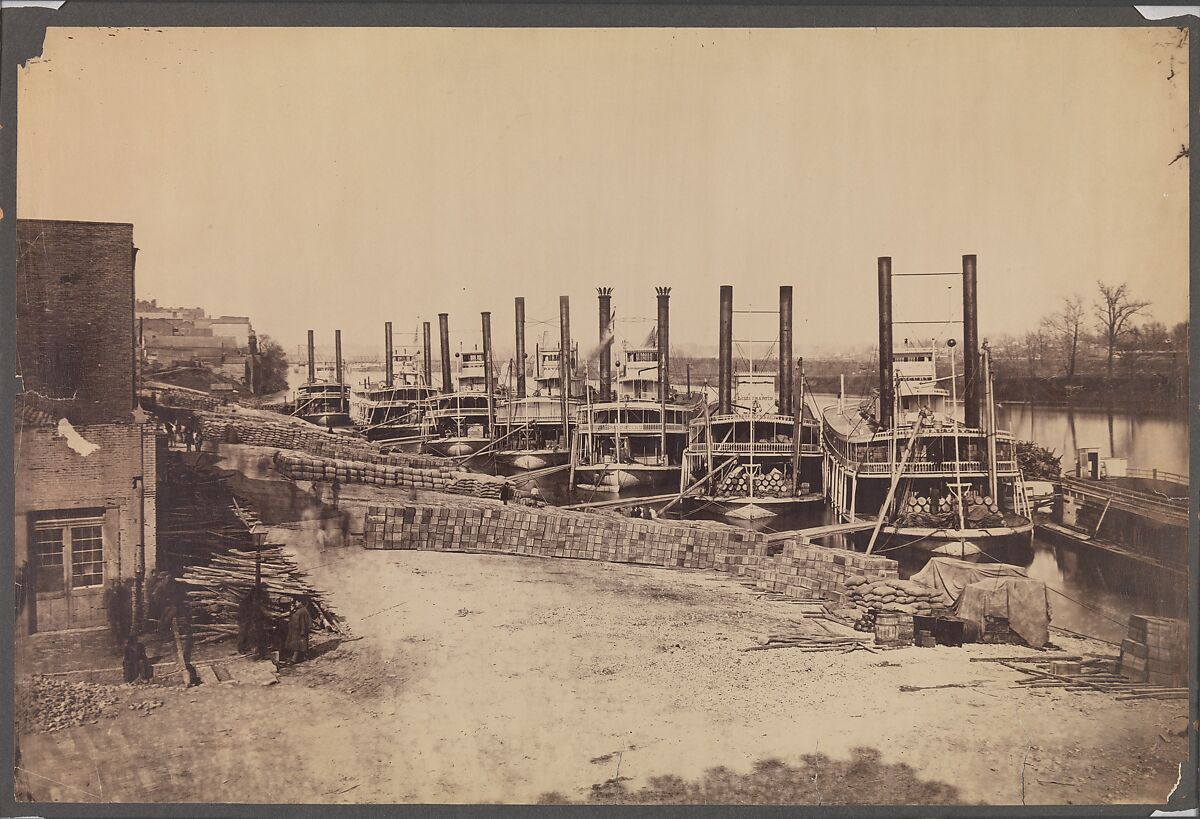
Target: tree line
[[1111, 333]]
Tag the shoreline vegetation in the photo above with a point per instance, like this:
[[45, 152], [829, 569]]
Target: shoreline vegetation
[[1144, 393]]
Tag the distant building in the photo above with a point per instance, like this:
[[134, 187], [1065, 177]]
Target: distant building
[[85, 466], [187, 336]]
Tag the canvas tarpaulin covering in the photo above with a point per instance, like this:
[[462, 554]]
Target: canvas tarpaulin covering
[[1021, 600], [949, 575]]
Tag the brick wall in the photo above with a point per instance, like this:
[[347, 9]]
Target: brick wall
[[75, 329], [55, 481]]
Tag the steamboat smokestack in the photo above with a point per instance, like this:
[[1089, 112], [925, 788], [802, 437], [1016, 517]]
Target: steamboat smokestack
[[520, 363], [444, 338], [388, 373], [427, 353], [488, 378], [564, 359], [786, 365], [337, 356], [886, 378], [312, 358], [972, 390], [664, 343], [605, 294], [725, 353]]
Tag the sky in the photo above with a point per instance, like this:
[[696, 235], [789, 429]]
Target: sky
[[340, 178]]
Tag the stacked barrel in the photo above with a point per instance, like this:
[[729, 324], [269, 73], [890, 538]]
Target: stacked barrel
[[740, 482]]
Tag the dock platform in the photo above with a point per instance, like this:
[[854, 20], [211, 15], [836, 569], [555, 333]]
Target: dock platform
[[861, 525], [1084, 539]]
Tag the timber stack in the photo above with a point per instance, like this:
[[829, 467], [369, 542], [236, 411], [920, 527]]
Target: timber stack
[[217, 589]]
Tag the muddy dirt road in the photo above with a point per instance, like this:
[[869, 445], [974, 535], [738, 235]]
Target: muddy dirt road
[[493, 678]]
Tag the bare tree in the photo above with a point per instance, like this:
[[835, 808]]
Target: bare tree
[[1114, 311], [1066, 325], [1034, 343]]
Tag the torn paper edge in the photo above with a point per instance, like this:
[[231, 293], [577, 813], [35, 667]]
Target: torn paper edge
[[1166, 12], [74, 440]]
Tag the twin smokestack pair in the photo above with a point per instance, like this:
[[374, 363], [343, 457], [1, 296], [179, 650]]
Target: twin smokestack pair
[[787, 365], [972, 392]]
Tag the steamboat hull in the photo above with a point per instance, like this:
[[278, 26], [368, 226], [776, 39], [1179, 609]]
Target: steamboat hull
[[616, 477], [453, 447], [530, 459], [328, 419]]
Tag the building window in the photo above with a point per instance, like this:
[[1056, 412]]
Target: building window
[[61, 368], [70, 553]]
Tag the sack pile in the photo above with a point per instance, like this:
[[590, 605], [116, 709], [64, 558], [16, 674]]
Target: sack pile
[[891, 594]]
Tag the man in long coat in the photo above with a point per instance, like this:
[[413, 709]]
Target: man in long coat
[[299, 626]]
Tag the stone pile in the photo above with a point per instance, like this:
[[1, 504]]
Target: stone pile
[[891, 594], [52, 704]]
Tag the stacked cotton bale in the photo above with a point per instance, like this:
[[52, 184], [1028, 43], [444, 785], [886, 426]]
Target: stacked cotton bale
[[478, 485], [436, 478], [801, 570], [891, 594], [1155, 651], [473, 526], [804, 570], [241, 428]]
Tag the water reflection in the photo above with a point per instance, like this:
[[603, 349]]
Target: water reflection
[[1158, 441]]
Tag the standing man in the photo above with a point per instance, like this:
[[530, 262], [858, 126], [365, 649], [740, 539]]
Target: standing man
[[299, 626]]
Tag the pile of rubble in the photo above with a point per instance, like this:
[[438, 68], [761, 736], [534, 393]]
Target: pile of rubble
[[50, 704]]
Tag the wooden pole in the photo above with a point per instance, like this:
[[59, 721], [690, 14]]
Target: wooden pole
[[887, 502]]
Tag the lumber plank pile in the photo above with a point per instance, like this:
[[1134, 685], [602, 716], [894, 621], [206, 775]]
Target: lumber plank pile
[[216, 589], [814, 643], [197, 516], [1088, 674]]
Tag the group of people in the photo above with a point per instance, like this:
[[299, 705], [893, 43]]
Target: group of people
[[184, 434], [259, 628], [509, 492]]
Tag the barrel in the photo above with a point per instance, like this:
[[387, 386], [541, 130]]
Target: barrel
[[893, 628]]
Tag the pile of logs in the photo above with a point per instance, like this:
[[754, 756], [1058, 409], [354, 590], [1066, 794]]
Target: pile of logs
[[217, 588]]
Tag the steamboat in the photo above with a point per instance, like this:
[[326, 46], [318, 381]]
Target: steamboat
[[460, 418], [534, 431], [324, 402], [635, 436], [393, 412], [757, 453], [932, 474]]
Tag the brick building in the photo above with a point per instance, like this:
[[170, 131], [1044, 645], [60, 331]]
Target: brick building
[[85, 465], [187, 336]]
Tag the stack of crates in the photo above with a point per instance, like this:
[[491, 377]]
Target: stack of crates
[[1155, 651]]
